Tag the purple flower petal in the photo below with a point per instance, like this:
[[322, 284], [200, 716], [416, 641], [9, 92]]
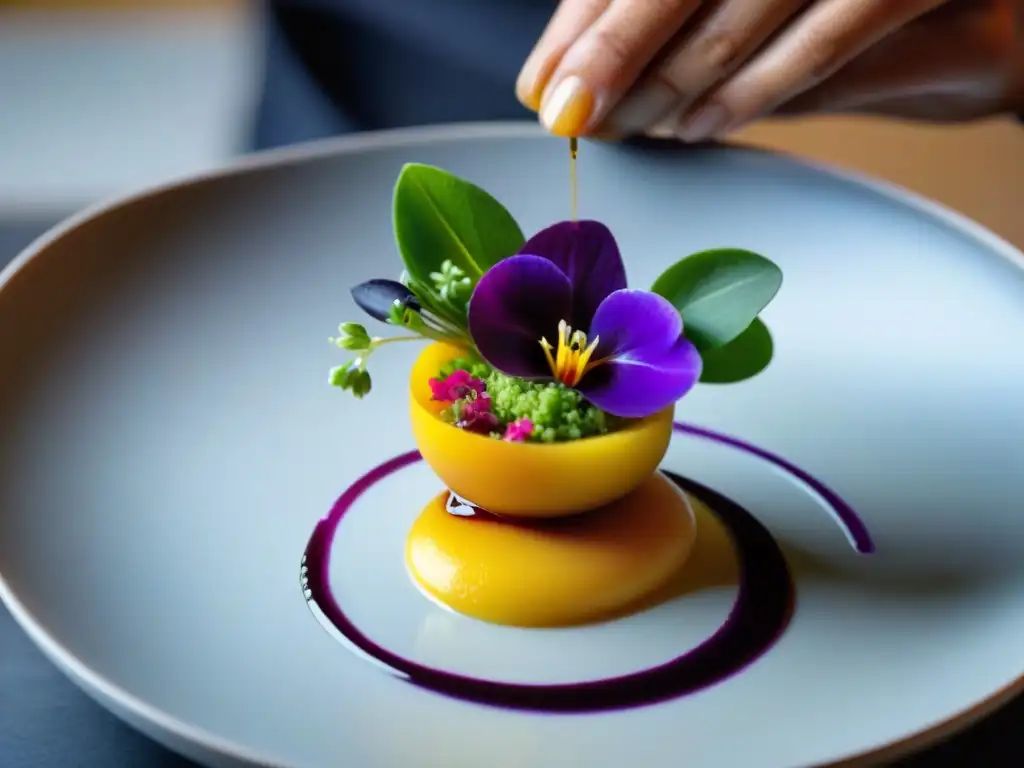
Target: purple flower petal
[[650, 363], [377, 298], [517, 302], [587, 253]]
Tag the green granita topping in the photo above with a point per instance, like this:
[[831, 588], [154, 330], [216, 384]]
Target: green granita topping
[[557, 413]]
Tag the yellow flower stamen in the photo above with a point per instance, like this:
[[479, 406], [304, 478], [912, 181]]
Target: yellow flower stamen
[[573, 356]]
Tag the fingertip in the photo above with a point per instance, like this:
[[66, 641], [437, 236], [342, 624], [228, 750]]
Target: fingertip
[[570, 20], [527, 98], [646, 105], [660, 131], [568, 108], [668, 125], [706, 122], [530, 86]]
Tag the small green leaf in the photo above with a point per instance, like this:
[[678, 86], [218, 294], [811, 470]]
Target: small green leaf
[[361, 384], [742, 358], [719, 292], [354, 329], [439, 217], [341, 375], [355, 343]]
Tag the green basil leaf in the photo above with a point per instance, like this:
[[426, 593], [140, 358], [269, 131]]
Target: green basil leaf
[[719, 292], [742, 358], [439, 217]]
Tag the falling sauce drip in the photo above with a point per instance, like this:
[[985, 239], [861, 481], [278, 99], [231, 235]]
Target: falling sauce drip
[[573, 151]]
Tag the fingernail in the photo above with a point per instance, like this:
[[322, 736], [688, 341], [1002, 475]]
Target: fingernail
[[669, 124], [642, 107], [567, 109], [707, 121], [660, 131], [529, 87]]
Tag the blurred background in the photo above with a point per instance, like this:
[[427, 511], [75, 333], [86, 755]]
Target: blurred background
[[100, 97]]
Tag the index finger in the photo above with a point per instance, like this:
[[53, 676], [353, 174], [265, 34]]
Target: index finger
[[570, 20], [605, 59]]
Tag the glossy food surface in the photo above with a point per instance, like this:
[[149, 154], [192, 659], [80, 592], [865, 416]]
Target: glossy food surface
[[531, 480], [553, 572]]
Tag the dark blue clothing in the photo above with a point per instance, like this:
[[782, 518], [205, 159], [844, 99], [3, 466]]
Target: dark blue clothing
[[336, 66]]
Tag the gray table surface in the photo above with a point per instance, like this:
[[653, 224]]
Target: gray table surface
[[46, 722]]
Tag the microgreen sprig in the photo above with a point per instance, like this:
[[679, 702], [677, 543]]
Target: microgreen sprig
[[396, 304], [353, 375], [452, 286]]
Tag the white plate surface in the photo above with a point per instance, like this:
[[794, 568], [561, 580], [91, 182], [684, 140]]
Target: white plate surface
[[169, 443]]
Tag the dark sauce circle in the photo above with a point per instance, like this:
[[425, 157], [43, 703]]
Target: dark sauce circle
[[760, 614]]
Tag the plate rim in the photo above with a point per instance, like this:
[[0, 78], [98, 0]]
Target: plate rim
[[134, 710]]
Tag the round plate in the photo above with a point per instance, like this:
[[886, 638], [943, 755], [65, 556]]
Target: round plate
[[168, 443]]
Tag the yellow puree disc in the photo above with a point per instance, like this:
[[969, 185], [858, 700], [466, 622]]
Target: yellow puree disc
[[555, 572]]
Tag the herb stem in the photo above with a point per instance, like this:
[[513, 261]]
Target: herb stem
[[378, 341]]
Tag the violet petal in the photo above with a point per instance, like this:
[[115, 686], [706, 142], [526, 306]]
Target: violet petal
[[517, 302], [650, 364], [376, 297], [587, 253]]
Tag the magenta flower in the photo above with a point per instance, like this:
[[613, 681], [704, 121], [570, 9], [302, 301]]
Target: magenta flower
[[560, 310], [474, 415], [457, 386], [518, 430]]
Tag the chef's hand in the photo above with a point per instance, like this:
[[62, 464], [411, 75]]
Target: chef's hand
[[700, 69], [964, 62]]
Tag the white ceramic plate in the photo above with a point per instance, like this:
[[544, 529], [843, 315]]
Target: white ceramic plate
[[169, 443]]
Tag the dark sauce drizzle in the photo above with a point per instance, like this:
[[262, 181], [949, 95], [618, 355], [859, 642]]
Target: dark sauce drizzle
[[763, 607]]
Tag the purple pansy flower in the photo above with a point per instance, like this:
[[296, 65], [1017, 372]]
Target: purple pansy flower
[[560, 310]]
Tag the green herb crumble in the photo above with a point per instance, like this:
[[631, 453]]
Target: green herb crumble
[[558, 414]]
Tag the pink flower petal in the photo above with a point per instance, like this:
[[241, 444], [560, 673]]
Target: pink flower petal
[[518, 431], [458, 385]]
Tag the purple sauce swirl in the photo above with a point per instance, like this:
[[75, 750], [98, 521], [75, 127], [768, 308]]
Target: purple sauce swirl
[[761, 613]]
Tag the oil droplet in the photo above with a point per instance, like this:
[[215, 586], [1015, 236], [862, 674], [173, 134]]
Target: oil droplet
[[573, 152]]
